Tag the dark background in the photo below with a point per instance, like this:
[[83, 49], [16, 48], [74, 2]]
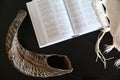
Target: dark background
[[80, 50]]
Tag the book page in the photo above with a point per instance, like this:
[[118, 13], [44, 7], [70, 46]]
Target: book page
[[82, 15], [35, 21], [54, 20]]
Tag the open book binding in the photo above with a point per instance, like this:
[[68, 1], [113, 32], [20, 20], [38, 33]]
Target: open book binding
[[58, 20]]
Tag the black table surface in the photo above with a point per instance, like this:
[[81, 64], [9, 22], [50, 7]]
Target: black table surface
[[80, 50]]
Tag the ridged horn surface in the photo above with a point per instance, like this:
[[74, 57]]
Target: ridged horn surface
[[32, 63]]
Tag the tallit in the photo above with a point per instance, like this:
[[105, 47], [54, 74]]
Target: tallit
[[108, 11]]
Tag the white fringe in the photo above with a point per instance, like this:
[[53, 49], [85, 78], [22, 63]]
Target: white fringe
[[109, 48], [117, 63], [106, 29], [97, 47]]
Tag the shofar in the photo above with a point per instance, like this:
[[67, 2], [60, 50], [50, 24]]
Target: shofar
[[31, 63], [108, 10]]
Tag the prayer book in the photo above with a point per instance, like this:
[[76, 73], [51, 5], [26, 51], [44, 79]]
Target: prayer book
[[59, 20]]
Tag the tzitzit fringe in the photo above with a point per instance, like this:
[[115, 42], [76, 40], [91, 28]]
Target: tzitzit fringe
[[108, 47], [102, 15]]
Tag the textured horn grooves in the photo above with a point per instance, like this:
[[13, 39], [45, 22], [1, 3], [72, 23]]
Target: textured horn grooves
[[31, 63]]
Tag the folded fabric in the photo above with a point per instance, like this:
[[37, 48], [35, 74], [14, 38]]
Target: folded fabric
[[108, 10]]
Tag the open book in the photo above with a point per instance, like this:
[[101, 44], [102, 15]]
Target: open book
[[58, 20]]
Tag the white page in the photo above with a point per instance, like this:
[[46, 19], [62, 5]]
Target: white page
[[82, 16], [36, 23], [54, 20]]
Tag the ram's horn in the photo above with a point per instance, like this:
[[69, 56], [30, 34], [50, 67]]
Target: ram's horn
[[31, 63]]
